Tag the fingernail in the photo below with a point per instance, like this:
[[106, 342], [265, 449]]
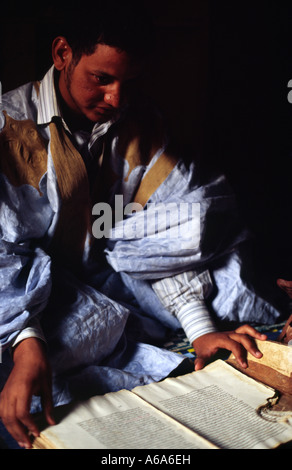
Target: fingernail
[[24, 444]]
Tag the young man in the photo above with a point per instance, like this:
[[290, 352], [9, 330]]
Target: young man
[[75, 304]]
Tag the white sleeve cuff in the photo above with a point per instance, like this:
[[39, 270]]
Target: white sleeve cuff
[[184, 296], [195, 320], [33, 330]]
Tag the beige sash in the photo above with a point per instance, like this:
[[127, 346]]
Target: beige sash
[[23, 159]]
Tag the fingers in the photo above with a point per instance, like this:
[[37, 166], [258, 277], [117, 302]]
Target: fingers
[[242, 344], [199, 363], [245, 334], [239, 342], [47, 405], [19, 433], [31, 375], [249, 330], [15, 412], [18, 422], [235, 343]]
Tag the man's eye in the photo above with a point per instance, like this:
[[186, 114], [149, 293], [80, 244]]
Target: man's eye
[[101, 80]]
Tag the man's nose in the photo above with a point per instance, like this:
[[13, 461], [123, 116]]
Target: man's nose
[[112, 96]]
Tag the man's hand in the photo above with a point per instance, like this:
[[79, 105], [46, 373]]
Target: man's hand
[[238, 342], [31, 375]]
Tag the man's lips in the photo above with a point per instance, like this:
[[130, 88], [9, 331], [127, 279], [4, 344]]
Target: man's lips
[[101, 110]]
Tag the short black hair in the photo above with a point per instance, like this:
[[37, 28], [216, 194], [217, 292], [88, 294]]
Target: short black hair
[[125, 25]]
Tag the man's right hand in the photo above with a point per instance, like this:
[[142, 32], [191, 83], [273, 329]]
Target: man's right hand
[[31, 375], [239, 342]]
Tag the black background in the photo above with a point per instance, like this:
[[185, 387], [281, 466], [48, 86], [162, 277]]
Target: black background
[[220, 75]]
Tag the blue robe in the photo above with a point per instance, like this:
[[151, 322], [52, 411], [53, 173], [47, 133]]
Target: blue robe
[[100, 317]]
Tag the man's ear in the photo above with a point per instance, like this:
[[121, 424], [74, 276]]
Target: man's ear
[[61, 52]]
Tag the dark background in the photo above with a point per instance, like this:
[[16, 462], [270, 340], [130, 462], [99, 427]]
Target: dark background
[[220, 75]]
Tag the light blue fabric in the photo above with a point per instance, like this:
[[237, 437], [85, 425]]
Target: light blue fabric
[[25, 287], [163, 255], [221, 235], [88, 334], [96, 325]]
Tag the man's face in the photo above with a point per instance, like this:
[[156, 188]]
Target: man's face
[[96, 87]]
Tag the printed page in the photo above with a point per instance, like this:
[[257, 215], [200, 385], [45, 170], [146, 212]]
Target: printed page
[[118, 420], [222, 405]]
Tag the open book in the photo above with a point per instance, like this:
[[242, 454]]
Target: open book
[[217, 407]]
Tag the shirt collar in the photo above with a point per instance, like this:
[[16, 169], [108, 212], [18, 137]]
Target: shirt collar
[[47, 103]]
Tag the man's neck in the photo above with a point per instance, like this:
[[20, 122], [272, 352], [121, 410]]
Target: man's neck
[[74, 121]]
